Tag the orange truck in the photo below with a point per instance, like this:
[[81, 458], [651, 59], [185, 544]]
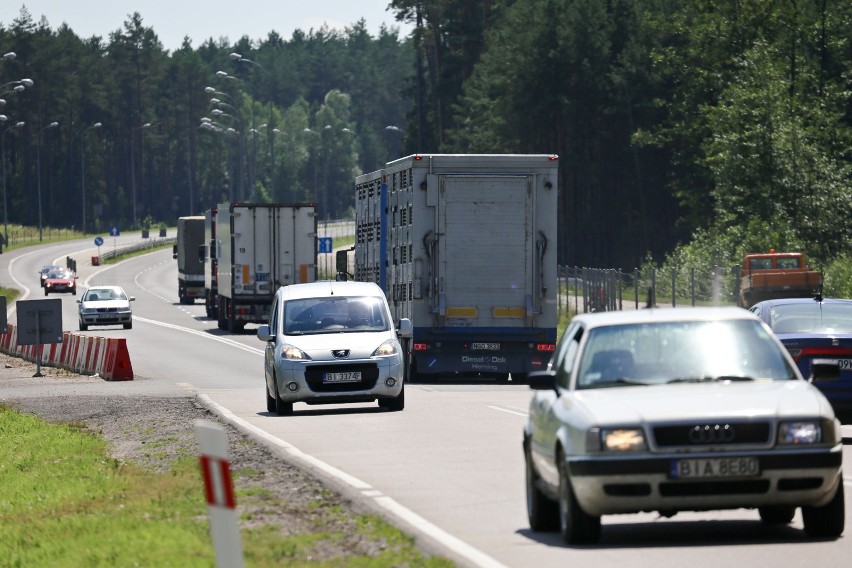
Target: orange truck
[[771, 275]]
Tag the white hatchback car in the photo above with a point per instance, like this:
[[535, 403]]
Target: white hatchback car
[[105, 305], [333, 342], [673, 410]]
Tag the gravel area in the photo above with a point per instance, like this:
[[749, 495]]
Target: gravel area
[[155, 431]]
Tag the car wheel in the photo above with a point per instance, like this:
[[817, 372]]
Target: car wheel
[[74, 292], [270, 401], [83, 327], [128, 325], [394, 404], [543, 513], [828, 520], [776, 515], [281, 408], [577, 526], [46, 292]]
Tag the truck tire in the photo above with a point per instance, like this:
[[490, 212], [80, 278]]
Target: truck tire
[[220, 314]]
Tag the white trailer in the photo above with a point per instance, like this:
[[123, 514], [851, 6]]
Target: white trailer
[[190, 259], [261, 247], [465, 247]]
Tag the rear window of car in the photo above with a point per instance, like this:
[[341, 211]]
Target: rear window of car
[[811, 318]]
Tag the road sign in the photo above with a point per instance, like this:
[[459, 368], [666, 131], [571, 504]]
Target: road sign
[[39, 322], [324, 244], [114, 232], [99, 241]]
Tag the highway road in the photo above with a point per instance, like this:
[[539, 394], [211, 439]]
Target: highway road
[[449, 467]]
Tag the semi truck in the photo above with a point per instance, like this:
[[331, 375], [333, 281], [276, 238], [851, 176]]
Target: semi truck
[[190, 236], [208, 254], [465, 247], [259, 248]]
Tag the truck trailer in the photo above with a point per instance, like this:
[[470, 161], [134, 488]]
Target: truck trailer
[[465, 247], [259, 248], [211, 268], [190, 236]]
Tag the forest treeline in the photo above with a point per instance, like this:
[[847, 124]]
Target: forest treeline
[[688, 131]]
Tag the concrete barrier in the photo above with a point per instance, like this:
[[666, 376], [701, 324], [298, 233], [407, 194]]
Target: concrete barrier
[[84, 354]]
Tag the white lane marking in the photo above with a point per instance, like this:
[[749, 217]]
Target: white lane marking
[[202, 333], [452, 543], [508, 410]]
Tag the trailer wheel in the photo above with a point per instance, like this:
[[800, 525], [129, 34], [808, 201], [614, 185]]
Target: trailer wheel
[[220, 314]]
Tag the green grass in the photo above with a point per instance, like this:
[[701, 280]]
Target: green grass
[[65, 502]]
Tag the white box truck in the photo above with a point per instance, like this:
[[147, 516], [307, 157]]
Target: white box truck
[[211, 286], [465, 247], [260, 247], [190, 259]]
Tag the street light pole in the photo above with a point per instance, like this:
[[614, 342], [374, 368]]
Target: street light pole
[[83, 169], [3, 160], [133, 170], [38, 167]]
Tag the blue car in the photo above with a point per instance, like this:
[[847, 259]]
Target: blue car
[[816, 330]]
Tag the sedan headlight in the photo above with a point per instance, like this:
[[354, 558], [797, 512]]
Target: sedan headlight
[[795, 433], [389, 347], [616, 440], [293, 353]]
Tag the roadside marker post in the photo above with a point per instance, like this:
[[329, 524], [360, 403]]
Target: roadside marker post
[[219, 488]]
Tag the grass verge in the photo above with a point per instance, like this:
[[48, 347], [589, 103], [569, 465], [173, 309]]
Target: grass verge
[[66, 502]]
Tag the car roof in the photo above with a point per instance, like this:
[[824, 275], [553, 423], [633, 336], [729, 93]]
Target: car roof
[[326, 288], [663, 315], [785, 301]]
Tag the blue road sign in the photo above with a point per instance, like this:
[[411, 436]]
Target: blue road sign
[[324, 244], [99, 241], [114, 232]]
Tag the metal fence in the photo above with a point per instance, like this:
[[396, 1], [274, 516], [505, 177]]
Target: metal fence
[[584, 290]]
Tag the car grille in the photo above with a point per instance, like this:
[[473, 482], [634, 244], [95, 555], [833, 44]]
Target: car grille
[[712, 434], [369, 376], [107, 310]]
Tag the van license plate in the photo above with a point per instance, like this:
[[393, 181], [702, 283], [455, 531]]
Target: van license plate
[[348, 377]]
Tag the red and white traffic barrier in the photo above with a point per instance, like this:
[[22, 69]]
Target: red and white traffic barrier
[[85, 354]]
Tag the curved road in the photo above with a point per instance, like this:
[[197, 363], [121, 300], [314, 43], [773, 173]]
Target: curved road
[[449, 467]]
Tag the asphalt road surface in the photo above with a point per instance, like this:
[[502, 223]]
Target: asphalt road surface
[[448, 467]]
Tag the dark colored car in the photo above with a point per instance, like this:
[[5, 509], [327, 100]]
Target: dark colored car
[[62, 280], [816, 330], [45, 270]]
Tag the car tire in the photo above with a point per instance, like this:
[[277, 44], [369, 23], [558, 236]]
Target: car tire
[[543, 513], [576, 526], [826, 521], [281, 408], [84, 327], [128, 325], [394, 404], [776, 515], [270, 401]]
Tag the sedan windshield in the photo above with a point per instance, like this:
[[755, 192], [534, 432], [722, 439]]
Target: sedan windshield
[[815, 317], [674, 352], [334, 315]]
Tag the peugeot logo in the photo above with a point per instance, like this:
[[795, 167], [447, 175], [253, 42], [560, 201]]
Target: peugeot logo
[[340, 353], [711, 434]]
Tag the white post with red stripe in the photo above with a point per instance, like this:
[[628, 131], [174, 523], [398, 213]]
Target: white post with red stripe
[[219, 488]]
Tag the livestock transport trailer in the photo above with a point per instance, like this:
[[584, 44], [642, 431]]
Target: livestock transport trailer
[[261, 247], [465, 247]]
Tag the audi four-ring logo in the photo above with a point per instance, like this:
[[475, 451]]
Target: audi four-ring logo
[[711, 434]]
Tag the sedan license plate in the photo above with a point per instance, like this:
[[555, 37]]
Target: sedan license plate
[[845, 364], [485, 346], [347, 377], [714, 467]]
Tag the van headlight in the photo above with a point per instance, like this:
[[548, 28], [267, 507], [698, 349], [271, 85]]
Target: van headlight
[[389, 347], [293, 353]]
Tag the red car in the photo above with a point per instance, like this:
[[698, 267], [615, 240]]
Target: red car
[[60, 281]]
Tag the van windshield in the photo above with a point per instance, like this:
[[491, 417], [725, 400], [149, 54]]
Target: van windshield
[[335, 315]]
